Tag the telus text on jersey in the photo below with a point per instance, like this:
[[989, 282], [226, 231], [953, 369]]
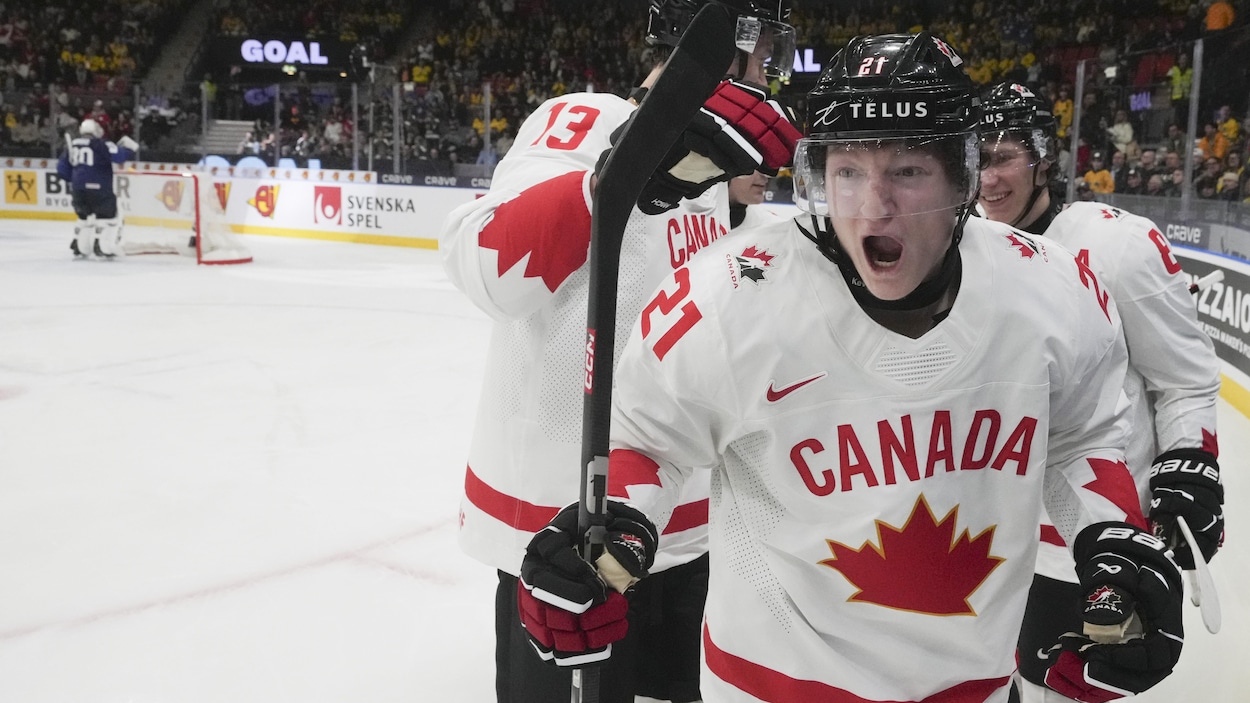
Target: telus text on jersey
[[841, 462]]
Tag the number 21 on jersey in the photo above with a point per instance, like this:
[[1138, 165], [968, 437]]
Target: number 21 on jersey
[[658, 316]]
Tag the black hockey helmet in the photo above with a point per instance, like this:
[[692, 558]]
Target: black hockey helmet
[[763, 28], [1019, 133], [1012, 109], [1010, 105], [909, 90]]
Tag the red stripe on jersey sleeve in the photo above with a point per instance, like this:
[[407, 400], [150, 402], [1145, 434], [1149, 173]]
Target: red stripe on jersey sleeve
[[505, 508], [775, 687], [1051, 536], [548, 221], [687, 516]]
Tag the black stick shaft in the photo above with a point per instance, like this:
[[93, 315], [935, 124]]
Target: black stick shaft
[[697, 65]]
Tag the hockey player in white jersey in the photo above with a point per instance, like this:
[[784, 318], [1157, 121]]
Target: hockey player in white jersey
[[87, 165], [520, 254], [1173, 372], [886, 393]]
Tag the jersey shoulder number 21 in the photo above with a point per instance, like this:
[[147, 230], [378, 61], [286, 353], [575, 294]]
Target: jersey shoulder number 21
[[670, 314]]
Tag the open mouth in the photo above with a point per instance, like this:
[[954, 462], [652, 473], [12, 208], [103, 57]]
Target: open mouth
[[882, 252], [991, 199]]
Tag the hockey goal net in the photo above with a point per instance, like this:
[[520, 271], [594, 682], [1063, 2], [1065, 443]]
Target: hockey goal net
[[178, 213]]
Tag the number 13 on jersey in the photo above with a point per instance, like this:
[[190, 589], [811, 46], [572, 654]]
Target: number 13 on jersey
[[659, 317]]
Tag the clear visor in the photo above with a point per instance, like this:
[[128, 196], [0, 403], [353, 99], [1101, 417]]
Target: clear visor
[[1013, 150], [884, 178], [771, 43]]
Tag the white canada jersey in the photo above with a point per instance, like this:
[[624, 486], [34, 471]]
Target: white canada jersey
[[875, 498], [520, 254], [1173, 376]]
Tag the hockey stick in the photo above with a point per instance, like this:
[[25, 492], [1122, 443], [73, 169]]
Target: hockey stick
[[1204, 594], [690, 75], [1207, 281]]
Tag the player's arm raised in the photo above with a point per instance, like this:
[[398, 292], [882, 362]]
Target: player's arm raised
[[511, 249]]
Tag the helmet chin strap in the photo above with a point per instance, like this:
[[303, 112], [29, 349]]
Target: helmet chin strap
[[924, 295], [1037, 193], [1044, 218], [743, 59]]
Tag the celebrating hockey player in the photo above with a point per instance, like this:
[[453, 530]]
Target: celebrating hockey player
[[885, 393], [520, 254], [1173, 373], [87, 165]]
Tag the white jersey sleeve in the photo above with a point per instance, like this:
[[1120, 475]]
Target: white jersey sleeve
[[511, 249], [1174, 372]]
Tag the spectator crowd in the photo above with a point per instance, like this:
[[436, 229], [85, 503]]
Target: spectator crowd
[[64, 60]]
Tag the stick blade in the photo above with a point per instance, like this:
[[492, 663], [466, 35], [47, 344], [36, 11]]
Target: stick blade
[[1205, 595]]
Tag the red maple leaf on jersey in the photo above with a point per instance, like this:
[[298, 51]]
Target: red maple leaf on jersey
[[1113, 482], [1027, 248], [1210, 444], [548, 223], [629, 468], [920, 567]]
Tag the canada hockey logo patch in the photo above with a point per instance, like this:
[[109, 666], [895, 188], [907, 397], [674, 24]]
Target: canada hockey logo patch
[[1027, 247], [751, 265]]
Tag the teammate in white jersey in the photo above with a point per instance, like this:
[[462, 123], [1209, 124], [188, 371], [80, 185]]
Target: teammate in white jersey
[[886, 395], [520, 254], [1173, 372]]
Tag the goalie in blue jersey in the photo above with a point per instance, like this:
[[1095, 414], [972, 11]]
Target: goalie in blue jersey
[[87, 165]]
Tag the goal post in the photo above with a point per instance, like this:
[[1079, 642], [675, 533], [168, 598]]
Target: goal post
[[180, 213]]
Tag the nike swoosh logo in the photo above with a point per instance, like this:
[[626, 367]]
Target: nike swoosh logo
[[775, 394]]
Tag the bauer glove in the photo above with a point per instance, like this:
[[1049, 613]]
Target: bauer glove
[[1186, 483], [737, 131], [1132, 612], [569, 612]]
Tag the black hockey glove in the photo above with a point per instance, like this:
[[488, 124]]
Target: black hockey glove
[[1186, 483], [1132, 610], [568, 610], [737, 131]]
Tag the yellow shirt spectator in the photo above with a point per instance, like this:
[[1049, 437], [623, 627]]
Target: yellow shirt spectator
[[421, 73], [1063, 113], [1100, 181], [1231, 129]]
